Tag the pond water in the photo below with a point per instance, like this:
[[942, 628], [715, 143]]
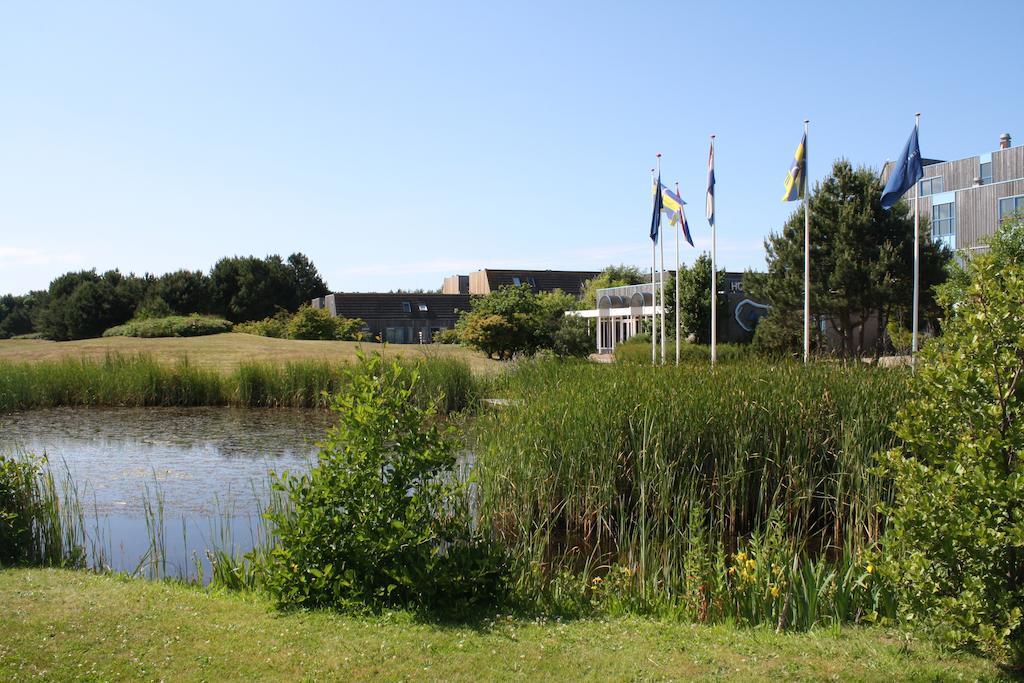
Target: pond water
[[206, 468]]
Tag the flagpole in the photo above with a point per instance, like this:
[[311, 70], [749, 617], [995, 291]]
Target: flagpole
[[917, 254], [654, 298], [807, 252], [661, 277], [714, 282], [678, 229]]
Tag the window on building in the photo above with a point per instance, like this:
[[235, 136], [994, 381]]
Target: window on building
[[985, 172], [944, 224], [407, 307], [1010, 205], [929, 186], [516, 281], [423, 308], [532, 281]]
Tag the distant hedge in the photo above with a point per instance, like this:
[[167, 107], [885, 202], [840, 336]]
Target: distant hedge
[[171, 326]]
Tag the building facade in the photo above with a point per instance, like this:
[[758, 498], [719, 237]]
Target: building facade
[[483, 282], [398, 318], [624, 312], [965, 200]]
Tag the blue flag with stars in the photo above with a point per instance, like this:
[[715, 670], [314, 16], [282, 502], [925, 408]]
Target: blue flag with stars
[[905, 173]]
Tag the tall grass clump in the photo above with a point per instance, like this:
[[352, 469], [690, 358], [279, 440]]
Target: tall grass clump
[[745, 492], [38, 525]]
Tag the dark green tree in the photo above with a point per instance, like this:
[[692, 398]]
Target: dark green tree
[[861, 261], [18, 312], [695, 301], [612, 276], [306, 280], [84, 304], [249, 288], [184, 291]]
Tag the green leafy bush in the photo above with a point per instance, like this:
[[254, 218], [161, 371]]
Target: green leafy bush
[[956, 536], [275, 326], [381, 519], [17, 505], [171, 326], [449, 336], [35, 527], [573, 338], [306, 323]]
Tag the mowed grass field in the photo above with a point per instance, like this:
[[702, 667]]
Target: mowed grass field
[[226, 351], [72, 625]]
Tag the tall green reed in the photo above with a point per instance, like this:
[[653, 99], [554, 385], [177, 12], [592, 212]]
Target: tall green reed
[[657, 478], [140, 381], [39, 523]]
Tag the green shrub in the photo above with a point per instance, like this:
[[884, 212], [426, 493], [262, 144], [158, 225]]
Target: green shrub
[[381, 519], [312, 323], [306, 323], [956, 537], [35, 528], [17, 508], [449, 336], [573, 338], [275, 326], [171, 326]]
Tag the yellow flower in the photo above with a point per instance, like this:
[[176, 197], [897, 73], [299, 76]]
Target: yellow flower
[[871, 569], [732, 570], [742, 557], [775, 591], [751, 565], [596, 580]]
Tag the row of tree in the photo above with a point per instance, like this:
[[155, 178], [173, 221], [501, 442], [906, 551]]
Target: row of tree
[[79, 305]]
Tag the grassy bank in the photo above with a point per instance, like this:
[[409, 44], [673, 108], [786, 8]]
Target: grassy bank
[[138, 381], [225, 352], [67, 625], [744, 492]]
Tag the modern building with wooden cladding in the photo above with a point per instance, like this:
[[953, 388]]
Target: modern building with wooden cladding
[[398, 318], [485, 281], [966, 200]]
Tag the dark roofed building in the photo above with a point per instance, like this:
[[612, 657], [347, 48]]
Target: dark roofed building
[[485, 281], [398, 318]]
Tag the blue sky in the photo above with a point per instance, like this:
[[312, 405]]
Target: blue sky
[[396, 143]]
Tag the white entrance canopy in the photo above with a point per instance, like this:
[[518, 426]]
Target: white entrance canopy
[[620, 314]]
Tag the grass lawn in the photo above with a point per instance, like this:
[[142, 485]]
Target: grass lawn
[[226, 351], [68, 625]]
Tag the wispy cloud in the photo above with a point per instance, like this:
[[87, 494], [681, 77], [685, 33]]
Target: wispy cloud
[[23, 256]]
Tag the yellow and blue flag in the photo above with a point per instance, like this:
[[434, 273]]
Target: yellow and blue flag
[[672, 204], [796, 180]]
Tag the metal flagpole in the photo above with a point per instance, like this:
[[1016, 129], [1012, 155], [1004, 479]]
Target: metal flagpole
[[917, 253], [807, 253], [678, 230], [661, 276], [714, 281], [654, 298]]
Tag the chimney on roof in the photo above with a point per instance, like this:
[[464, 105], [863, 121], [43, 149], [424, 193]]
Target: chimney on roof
[[1004, 141]]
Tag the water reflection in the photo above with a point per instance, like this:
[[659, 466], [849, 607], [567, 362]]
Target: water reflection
[[207, 467]]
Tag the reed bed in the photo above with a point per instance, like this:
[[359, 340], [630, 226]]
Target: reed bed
[[40, 524], [642, 487], [140, 381]]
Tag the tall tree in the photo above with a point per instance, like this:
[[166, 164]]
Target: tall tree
[[612, 276], [695, 301], [861, 261], [306, 279]]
